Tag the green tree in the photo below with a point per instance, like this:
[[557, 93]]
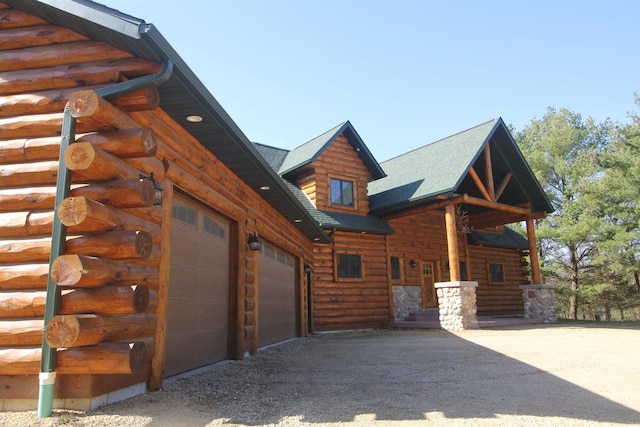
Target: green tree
[[562, 150], [616, 198]]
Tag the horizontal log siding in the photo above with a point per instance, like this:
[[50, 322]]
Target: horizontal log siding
[[41, 65], [350, 304], [339, 161], [188, 165], [421, 235], [306, 181], [498, 298]]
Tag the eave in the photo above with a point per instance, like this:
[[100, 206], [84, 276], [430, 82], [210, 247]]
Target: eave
[[182, 95]]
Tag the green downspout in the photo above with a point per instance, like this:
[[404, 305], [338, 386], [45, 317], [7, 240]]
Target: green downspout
[[59, 233]]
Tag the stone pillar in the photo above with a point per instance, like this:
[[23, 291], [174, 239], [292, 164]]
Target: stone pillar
[[406, 299], [540, 302], [457, 305]]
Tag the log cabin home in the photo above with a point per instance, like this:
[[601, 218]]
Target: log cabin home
[[142, 235], [397, 226]]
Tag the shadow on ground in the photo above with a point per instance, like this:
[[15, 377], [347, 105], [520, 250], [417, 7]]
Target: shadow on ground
[[394, 375]]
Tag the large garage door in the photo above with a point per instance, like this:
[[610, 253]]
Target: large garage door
[[198, 305], [276, 296]]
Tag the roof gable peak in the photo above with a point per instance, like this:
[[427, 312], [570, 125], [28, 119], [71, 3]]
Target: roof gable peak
[[310, 151]]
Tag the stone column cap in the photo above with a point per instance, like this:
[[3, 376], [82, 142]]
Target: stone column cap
[[457, 284], [537, 286]]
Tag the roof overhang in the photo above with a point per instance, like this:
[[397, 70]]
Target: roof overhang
[[182, 95]]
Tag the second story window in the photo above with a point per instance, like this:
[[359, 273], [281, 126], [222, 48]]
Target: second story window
[[341, 192]]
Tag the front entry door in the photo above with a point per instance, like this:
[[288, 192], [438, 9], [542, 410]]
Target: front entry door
[[427, 281]]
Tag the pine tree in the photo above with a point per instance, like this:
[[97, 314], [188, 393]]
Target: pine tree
[[562, 149]]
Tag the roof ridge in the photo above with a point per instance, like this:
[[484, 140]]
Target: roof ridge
[[270, 146], [439, 140], [323, 133]]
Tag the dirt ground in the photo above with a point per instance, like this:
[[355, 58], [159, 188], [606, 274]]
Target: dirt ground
[[551, 375]]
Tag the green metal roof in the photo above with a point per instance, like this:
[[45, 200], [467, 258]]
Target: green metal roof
[[508, 240], [308, 152], [325, 219], [442, 169]]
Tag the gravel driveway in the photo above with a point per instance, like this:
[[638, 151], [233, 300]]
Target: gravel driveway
[[553, 375]]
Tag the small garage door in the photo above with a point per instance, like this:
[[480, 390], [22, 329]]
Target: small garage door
[[198, 302], [276, 296]]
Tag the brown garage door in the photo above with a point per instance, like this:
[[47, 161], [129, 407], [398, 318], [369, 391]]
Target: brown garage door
[[198, 305], [276, 296]]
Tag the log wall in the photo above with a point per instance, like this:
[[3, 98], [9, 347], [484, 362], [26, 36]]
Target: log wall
[[349, 303], [41, 66], [421, 235], [338, 161], [114, 275]]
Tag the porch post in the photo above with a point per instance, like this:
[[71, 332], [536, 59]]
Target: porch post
[[456, 299], [533, 253], [452, 243], [539, 299]]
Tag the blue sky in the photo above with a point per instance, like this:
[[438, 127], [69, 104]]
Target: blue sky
[[404, 72]]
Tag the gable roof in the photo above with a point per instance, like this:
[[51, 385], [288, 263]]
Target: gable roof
[[308, 152], [181, 95], [325, 219], [442, 169]]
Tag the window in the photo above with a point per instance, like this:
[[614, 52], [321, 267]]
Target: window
[[349, 266], [269, 251], [396, 269], [183, 213], [496, 273], [211, 226], [463, 271], [341, 192]]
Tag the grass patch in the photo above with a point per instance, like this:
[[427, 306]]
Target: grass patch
[[602, 324]]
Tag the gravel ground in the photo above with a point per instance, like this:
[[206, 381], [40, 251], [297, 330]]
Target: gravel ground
[[553, 375]]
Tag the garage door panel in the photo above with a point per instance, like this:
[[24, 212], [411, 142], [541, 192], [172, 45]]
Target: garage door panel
[[198, 302], [207, 316], [276, 296], [182, 316], [180, 358]]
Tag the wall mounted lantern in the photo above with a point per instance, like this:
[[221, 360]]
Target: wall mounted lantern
[[413, 263], [254, 242], [307, 267]]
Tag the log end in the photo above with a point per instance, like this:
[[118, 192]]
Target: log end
[[149, 142], [73, 211], [144, 244], [147, 192], [83, 103], [141, 299], [138, 356], [62, 331], [67, 270], [79, 156]]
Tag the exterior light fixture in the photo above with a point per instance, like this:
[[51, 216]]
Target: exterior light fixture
[[265, 188], [194, 118], [307, 267], [254, 242], [297, 220], [413, 263]]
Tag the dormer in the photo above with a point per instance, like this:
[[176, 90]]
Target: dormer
[[333, 170]]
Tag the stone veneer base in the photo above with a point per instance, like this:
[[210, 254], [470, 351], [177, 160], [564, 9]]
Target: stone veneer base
[[457, 305], [406, 299], [540, 302]]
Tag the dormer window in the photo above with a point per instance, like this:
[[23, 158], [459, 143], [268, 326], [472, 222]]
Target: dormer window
[[342, 193]]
